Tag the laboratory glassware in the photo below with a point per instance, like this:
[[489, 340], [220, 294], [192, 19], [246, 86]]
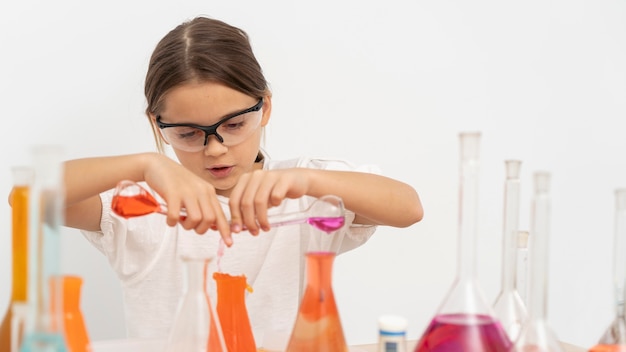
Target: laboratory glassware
[[22, 181], [465, 321], [614, 337], [232, 312], [392, 333], [318, 326], [196, 327], [325, 213], [74, 327], [508, 306], [44, 326], [536, 334], [521, 277]]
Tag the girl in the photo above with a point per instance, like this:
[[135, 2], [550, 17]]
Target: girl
[[209, 101]]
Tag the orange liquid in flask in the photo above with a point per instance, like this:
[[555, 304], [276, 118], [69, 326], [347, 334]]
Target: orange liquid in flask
[[232, 312]]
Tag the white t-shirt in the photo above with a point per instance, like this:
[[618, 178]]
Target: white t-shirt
[[145, 253]]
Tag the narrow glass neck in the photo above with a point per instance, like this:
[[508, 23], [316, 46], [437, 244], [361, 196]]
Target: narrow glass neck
[[539, 240], [468, 204], [320, 269], [510, 225], [196, 269], [619, 254]]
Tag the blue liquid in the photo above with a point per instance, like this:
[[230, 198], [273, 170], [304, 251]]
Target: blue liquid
[[43, 342]]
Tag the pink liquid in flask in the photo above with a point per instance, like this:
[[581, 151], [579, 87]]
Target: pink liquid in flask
[[327, 224], [464, 332]]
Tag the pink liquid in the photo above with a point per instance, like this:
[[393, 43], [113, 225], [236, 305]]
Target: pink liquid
[[326, 224], [464, 332]]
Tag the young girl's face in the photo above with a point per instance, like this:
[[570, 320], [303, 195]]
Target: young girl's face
[[205, 104]]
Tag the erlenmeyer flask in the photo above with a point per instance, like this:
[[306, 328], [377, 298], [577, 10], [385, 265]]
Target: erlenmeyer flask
[[318, 327], [465, 321], [614, 338], [536, 335], [44, 326], [232, 312], [22, 180], [74, 328], [508, 306], [196, 327]]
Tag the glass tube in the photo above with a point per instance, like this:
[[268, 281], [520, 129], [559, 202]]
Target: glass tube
[[614, 337], [465, 321], [44, 329], [536, 334], [22, 181], [508, 306], [522, 266]]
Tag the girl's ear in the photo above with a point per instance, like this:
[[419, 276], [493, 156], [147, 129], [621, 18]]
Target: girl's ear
[[267, 110]]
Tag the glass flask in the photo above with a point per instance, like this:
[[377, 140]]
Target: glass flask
[[74, 328], [614, 338], [325, 213], [22, 181], [44, 326], [465, 321], [536, 334], [508, 306], [318, 327], [196, 327], [232, 312]]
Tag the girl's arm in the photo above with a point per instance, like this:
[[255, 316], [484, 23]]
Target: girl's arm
[[373, 198], [86, 178]]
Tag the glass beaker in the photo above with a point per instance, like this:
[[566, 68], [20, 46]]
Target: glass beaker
[[196, 327], [508, 306], [44, 326], [536, 334], [318, 327], [232, 312], [22, 181], [465, 321], [614, 337]]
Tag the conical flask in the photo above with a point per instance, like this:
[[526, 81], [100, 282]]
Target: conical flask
[[22, 181], [318, 327], [196, 327], [508, 306], [614, 338], [74, 327], [232, 312], [465, 321], [536, 334], [44, 326]]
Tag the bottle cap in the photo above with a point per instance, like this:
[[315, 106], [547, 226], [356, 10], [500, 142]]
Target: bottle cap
[[392, 325]]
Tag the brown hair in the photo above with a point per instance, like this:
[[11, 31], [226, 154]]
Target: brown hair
[[202, 49]]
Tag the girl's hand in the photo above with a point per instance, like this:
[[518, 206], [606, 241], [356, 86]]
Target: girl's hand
[[180, 188], [259, 190]]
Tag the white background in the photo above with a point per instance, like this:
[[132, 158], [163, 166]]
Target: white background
[[384, 82]]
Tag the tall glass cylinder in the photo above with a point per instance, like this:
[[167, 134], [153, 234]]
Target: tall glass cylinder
[[465, 321], [536, 334], [22, 181], [44, 327], [614, 337], [508, 305], [521, 279]]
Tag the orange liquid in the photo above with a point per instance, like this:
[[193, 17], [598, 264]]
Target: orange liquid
[[232, 312], [19, 199], [318, 327], [608, 348], [74, 328], [138, 205]]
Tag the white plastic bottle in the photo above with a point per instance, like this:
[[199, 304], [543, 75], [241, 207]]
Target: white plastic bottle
[[392, 333]]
